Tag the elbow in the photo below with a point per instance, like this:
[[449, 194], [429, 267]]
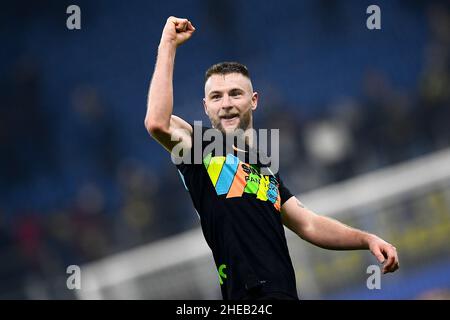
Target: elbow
[[154, 128], [306, 231]]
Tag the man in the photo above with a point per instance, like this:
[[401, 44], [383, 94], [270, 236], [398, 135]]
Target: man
[[242, 211]]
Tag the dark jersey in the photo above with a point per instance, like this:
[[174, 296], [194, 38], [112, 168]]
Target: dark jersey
[[239, 210]]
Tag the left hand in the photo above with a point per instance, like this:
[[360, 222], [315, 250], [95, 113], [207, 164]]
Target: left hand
[[385, 253]]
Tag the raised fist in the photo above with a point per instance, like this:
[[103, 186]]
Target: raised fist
[[177, 31]]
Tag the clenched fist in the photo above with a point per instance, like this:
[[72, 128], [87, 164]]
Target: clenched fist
[[177, 31]]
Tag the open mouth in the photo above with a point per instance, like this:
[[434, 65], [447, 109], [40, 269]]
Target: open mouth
[[229, 120], [229, 117]]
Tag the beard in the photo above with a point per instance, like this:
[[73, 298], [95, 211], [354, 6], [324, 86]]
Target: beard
[[244, 123]]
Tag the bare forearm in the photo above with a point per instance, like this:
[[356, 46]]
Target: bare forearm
[[160, 95], [331, 234]]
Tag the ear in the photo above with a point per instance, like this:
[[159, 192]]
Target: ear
[[204, 106], [254, 100]]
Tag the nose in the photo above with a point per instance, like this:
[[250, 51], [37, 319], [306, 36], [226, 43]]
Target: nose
[[226, 102]]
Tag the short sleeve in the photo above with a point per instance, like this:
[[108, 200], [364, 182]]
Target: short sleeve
[[285, 193]]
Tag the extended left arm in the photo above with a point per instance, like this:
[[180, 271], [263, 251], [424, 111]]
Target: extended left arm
[[331, 234]]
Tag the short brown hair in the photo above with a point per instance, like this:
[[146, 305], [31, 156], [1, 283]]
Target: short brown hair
[[227, 68]]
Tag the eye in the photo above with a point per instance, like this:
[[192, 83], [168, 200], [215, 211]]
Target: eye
[[215, 97]]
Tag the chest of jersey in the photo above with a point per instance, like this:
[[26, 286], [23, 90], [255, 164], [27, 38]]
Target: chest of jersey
[[232, 177]]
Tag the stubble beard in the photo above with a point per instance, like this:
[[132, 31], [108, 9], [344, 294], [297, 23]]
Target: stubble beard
[[244, 123]]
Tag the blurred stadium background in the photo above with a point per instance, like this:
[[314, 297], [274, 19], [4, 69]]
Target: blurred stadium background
[[365, 137]]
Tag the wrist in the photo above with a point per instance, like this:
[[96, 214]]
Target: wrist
[[167, 44], [368, 239]]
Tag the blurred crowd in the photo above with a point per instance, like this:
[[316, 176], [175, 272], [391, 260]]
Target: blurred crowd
[[71, 193]]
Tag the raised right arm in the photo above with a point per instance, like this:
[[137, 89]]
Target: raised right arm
[[167, 129]]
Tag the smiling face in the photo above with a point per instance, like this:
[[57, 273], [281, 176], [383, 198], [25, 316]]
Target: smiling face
[[229, 101]]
